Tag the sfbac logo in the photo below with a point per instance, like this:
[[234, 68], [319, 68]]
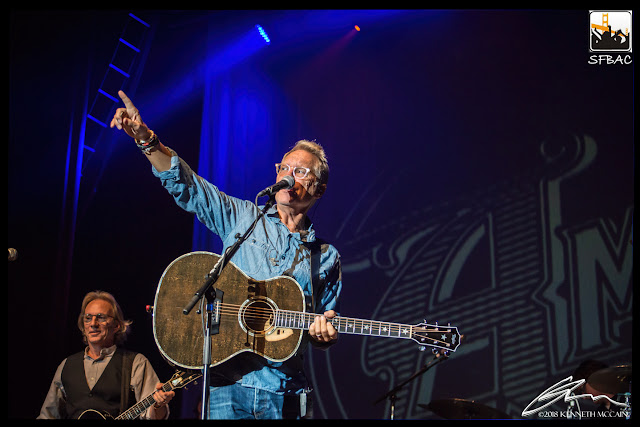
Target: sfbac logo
[[610, 31]]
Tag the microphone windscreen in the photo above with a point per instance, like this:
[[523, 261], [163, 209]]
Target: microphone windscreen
[[290, 180]]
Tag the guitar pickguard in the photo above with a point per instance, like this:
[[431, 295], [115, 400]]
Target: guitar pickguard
[[279, 334]]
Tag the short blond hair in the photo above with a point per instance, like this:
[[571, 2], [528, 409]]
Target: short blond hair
[[321, 169]]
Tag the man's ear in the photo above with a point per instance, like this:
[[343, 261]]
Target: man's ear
[[320, 189]]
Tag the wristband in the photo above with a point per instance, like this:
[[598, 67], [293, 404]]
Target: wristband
[[147, 145]]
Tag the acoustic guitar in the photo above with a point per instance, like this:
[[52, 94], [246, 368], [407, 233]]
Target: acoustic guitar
[[265, 317]]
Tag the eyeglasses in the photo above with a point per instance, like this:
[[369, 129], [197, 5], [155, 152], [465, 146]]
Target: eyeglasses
[[298, 172], [101, 318]]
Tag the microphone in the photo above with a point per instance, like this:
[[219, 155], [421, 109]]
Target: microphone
[[13, 254], [287, 182]]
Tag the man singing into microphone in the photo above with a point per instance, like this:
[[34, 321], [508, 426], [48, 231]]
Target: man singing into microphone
[[283, 243]]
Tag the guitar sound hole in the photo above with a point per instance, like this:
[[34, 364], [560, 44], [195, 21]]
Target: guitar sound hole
[[257, 316]]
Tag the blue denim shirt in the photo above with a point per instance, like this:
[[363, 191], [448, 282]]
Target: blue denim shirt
[[270, 250]]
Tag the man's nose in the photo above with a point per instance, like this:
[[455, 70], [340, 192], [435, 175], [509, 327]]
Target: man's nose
[[287, 172]]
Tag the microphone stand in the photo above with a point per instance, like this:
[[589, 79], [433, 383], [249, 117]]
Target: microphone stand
[[213, 297], [391, 394]]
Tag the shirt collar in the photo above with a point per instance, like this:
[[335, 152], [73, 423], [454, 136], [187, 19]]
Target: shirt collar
[[105, 352], [306, 235]]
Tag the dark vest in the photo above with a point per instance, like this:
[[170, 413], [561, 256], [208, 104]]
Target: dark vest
[[105, 395]]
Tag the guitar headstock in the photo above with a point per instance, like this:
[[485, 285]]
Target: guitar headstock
[[443, 337], [181, 379]]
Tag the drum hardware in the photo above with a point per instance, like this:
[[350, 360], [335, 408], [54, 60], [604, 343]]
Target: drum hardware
[[461, 409], [614, 380]]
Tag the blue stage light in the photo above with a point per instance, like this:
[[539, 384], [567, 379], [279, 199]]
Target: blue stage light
[[263, 33]]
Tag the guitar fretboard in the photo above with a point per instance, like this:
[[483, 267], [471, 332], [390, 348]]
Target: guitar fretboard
[[137, 409], [344, 325]]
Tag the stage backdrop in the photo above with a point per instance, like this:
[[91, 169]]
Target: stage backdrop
[[481, 176]]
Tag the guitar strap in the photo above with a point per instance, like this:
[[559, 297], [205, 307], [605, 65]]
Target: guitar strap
[[127, 367], [304, 399], [315, 273]]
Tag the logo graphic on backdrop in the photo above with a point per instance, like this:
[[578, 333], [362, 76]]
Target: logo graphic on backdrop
[[534, 293], [610, 31]]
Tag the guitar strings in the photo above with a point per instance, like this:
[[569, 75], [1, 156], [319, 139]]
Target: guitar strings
[[268, 313], [257, 313]]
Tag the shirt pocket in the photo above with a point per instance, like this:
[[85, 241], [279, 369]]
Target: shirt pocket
[[258, 258]]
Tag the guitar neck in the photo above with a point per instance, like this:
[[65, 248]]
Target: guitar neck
[[344, 325], [137, 409]]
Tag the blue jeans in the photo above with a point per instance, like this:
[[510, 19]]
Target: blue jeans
[[235, 402]]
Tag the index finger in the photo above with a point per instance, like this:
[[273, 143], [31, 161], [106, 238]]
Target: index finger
[[125, 99]]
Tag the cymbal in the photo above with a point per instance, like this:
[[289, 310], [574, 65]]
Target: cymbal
[[460, 409], [614, 380]]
